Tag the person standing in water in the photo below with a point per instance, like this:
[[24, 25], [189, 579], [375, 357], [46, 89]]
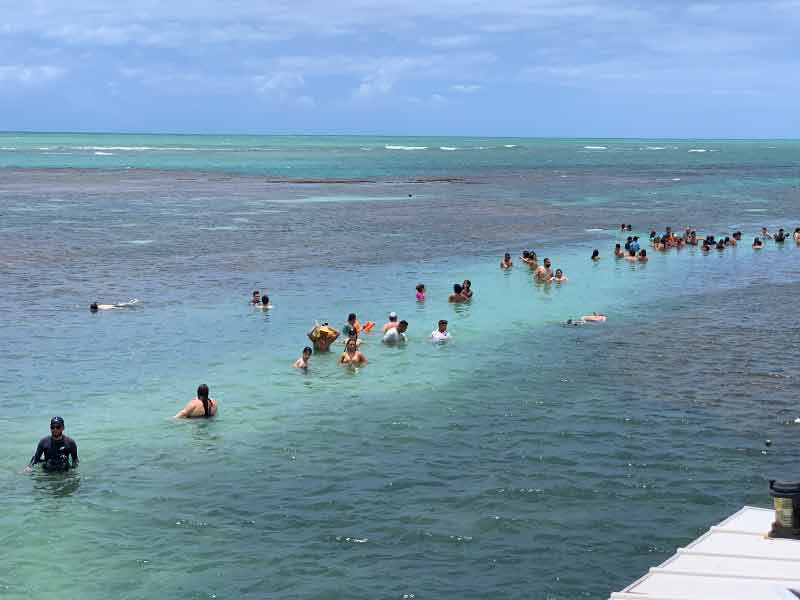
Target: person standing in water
[[56, 450], [302, 362], [506, 262], [544, 273], [201, 407], [352, 355]]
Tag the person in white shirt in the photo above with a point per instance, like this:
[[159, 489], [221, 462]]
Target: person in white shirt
[[441, 334], [396, 335]]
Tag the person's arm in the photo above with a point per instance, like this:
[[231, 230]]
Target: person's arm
[[185, 411], [37, 456], [73, 452]]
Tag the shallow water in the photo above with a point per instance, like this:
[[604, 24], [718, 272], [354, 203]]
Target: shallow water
[[524, 459]]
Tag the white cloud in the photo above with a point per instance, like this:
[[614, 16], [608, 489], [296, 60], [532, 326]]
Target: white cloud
[[462, 88], [30, 75], [453, 41]]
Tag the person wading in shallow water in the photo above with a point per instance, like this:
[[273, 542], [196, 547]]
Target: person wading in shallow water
[[55, 450], [201, 407]]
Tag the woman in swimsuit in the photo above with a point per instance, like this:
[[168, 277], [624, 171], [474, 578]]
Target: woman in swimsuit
[[352, 355], [202, 407]]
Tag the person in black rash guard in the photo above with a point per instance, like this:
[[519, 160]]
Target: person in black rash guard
[[55, 450]]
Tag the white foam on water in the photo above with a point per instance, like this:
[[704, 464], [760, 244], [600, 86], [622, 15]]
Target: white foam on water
[[448, 148], [406, 147], [8, 149], [676, 179], [755, 210], [655, 148], [698, 150], [594, 229], [595, 148], [104, 153], [138, 242], [510, 146]]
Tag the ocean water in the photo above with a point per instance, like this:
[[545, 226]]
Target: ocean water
[[523, 460]]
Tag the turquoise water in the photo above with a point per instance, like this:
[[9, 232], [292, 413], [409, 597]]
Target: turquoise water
[[524, 459]]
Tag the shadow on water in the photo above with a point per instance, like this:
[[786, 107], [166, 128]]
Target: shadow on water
[[55, 484]]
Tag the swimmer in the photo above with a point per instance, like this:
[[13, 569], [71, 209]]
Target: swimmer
[[457, 295], [264, 303], [396, 335], [302, 362], [643, 255], [780, 237], [201, 407], [94, 306], [391, 324], [629, 227], [255, 298], [618, 252], [352, 355], [55, 450], [594, 318], [737, 235], [420, 292], [631, 255], [720, 245], [559, 277], [322, 336], [574, 322], [466, 289], [352, 324], [441, 334], [758, 244], [797, 235], [595, 254], [705, 247], [353, 335], [765, 234], [635, 243], [544, 273], [506, 262]]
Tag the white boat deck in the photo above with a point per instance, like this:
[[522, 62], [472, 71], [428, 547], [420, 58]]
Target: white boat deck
[[734, 560]]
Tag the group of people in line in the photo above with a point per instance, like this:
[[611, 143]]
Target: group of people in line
[[58, 452]]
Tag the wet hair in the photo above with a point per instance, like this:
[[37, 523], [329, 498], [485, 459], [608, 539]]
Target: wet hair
[[525, 254], [642, 252], [629, 227], [420, 287], [351, 317], [631, 252], [617, 246], [457, 288], [467, 283], [265, 300], [93, 307], [308, 350], [348, 341], [559, 272], [596, 252], [653, 234], [442, 321], [403, 323], [202, 391], [507, 256]]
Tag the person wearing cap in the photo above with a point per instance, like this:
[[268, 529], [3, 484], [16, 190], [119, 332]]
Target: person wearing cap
[[396, 335], [441, 334], [200, 407], [54, 451], [391, 324]]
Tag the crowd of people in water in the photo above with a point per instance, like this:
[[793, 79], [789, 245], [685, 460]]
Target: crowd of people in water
[[58, 452]]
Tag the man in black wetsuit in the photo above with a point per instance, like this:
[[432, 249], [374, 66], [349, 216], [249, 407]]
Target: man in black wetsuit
[[55, 450]]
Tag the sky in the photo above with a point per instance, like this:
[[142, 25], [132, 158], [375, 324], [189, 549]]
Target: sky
[[571, 68]]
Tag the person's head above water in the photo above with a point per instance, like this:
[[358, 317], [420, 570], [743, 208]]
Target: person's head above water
[[559, 273], [56, 427], [547, 262], [457, 288], [392, 316], [202, 391], [596, 253], [507, 256], [526, 254], [93, 307], [351, 318], [467, 284], [351, 345], [307, 352], [642, 252], [402, 326], [265, 300]]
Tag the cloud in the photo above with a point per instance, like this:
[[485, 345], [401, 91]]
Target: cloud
[[465, 88], [30, 75], [453, 41]]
